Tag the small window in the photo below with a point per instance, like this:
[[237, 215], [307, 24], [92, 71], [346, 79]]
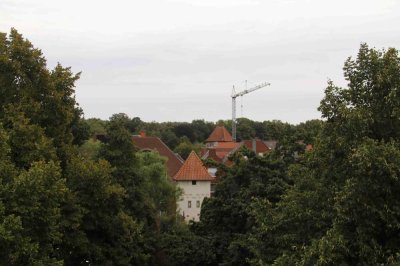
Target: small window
[[198, 204], [189, 204], [194, 182]]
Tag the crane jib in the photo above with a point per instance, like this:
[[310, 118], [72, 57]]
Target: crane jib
[[234, 96]]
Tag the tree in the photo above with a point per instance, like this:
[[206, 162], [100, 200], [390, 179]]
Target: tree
[[309, 131], [80, 129], [202, 130], [27, 141], [341, 208], [184, 130], [90, 149], [107, 235], [59, 207], [96, 126], [185, 147], [159, 192], [283, 230], [135, 125], [34, 199], [160, 196], [363, 124], [183, 247], [365, 229], [245, 129], [169, 138], [227, 217], [370, 104], [45, 97], [120, 152], [277, 130], [16, 246]]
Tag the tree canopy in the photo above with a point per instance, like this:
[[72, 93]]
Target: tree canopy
[[61, 204]]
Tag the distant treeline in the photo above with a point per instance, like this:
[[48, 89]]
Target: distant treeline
[[196, 132]]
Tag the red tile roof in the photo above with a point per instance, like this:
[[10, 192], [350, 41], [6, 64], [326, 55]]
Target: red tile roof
[[193, 169], [211, 154], [220, 134], [220, 150], [259, 145], [222, 154], [155, 144]]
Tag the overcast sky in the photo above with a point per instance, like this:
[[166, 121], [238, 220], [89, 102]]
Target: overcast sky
[[177, 60]]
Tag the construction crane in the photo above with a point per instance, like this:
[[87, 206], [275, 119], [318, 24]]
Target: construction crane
[[234, 96]]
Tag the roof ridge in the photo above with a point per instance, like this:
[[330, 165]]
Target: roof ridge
[[162, 142], [193, 169], [155, 143], [219, 134]]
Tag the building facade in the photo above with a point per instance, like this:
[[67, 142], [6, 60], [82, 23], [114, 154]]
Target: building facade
[[194, 180]]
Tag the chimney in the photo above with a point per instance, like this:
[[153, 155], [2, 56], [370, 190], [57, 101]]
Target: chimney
[[142, 133], [254, 145]]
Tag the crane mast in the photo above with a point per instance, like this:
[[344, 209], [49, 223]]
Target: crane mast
[[234, 96]]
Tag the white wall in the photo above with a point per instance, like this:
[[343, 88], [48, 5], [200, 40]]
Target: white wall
[[212, 171], [192, 193]]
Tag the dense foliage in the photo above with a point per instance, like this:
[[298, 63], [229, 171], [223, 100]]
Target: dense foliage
[[336, 205], [61, 204]]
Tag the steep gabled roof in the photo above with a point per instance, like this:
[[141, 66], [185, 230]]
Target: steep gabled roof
[[220, 134], [145, 143], [193, 169], [256, 145]]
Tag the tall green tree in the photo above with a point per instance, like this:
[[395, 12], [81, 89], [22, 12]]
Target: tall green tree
[[227, 217], [119, 150], [159, 192], [183, 247], [363, 120], [31, 202], [341, 208], [45, 97], [106, 234], [27, 141], [160, 196], [16, 245]]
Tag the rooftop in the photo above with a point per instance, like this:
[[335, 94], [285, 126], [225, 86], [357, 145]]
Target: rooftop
[[193, 169], [145, 143], [256, 145], [220, 134]]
